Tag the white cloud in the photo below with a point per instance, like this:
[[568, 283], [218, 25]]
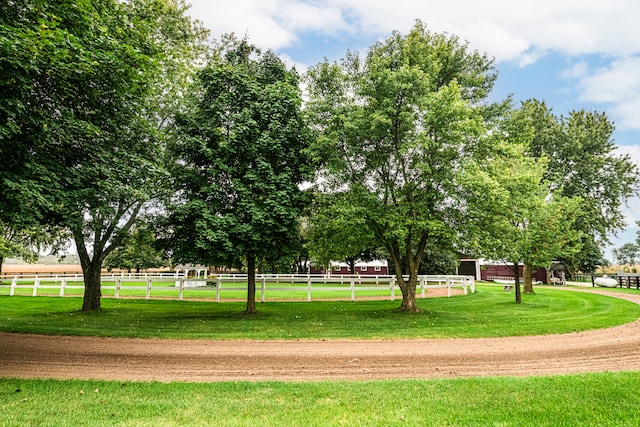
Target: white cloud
[[521, 32], [577, 71], [290, 63], [255, 18], [619, 86], [510, 31]]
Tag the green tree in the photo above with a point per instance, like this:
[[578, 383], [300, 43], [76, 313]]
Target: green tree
[[137, 251], [240, 160], [337, 232], [516, 218], [29, 241], [627, 254], [583, 163], [396, 130], [16, 244], [81, 115]]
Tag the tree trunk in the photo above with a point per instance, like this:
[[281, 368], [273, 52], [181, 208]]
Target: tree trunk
[[516, 276], [352, 265], [411, 266], [1, 262], [408, 289], [251, 285], [92, 288], [527, 272]]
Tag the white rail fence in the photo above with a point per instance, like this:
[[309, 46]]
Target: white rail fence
[[265, 283]]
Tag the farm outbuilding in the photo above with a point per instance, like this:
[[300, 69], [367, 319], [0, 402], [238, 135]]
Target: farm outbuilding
[[489, 271], [365, 268]]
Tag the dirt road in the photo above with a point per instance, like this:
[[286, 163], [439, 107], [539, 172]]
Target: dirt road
[[34, 356]]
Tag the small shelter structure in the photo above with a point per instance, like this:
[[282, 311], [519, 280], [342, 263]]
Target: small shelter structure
[[193, 275]]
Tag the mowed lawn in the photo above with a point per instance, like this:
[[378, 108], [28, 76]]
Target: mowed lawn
[[602, 399], [490, 312]]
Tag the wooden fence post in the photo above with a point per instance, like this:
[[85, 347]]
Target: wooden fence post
[[63, 284], [392, 286], [36, 283]]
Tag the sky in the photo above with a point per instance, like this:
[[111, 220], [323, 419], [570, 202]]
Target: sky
[[573, 54]]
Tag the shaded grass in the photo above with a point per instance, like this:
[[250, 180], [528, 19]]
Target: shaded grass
[[490, 312], [611, 399]]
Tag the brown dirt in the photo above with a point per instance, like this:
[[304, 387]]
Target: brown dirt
[[34, 356]]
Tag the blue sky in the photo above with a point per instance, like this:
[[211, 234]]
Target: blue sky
[[573, 54]]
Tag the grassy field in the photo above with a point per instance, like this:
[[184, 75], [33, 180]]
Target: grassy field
[[603, 399], [490, 312], [610, 399]]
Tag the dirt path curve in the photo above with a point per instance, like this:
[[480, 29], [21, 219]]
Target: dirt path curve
[[35, 356]]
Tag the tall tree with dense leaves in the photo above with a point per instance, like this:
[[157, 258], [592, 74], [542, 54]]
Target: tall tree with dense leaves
[[583, 163], [82, 94], [240, 160], [396, 130], [516, 218]]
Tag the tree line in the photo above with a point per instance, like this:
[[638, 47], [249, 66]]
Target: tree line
[[122, 124]]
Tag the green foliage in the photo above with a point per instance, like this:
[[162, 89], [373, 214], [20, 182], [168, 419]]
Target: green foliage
[[137, 251], [240, 159], [81, 129], [16, 244], [337, 230], [627, 254], [583, 163], [395, 131], [517, 217]]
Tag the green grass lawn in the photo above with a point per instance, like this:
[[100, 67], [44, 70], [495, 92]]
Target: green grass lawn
[[602, 399], [611, 399], [490, 312]]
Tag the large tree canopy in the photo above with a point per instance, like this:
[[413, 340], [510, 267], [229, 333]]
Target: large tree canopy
[[240, 160], [83, 85], [583, 163], [397, 130]]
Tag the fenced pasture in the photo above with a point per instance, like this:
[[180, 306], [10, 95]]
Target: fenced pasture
[[231, 286]]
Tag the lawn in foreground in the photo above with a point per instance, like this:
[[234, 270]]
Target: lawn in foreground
[[603, 399], [490, 312]]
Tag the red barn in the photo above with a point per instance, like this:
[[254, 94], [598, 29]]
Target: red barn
[[489, 271], [370, 268]]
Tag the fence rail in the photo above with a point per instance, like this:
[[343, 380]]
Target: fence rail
[[265, 283]]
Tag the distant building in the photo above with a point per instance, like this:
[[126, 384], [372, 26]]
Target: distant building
[[365, 268], [489, 271]]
